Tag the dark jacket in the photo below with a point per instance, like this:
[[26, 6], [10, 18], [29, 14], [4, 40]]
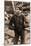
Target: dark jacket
[[17, 23]]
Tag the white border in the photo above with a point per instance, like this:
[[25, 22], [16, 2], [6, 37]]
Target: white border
[[1, 22], [20, 0]]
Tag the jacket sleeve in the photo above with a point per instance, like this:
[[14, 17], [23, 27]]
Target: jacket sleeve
[[12, 23]]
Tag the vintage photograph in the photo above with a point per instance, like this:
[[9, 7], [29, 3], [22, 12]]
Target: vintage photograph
[[16, 23]]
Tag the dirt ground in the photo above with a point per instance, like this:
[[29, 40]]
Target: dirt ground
[[9, 37]]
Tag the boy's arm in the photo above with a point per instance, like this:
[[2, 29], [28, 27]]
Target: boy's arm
[[12, 23]]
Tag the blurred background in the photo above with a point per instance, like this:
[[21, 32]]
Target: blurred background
[[9, 9]]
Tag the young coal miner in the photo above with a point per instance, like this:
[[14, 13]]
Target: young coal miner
[[17, 24]]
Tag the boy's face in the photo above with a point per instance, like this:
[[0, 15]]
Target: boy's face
[[18, 11]]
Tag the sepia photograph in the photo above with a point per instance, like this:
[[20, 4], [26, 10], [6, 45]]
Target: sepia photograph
[[16, 22]]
